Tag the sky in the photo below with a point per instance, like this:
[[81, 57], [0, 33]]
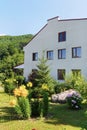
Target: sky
[[20, 17]]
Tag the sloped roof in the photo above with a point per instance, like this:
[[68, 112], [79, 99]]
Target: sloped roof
[[59, 20], [19, 66]]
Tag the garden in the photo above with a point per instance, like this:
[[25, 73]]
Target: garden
[[28, 105]]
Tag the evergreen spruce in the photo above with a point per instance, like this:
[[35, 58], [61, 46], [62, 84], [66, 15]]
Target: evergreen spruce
[[43, 73]]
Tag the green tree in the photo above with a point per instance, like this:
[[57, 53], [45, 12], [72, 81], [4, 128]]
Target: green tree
[[43, 74], [3, 51], [11, 53], [77, 82]]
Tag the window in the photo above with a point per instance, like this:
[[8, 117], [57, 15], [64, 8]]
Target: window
[[62, 36], [76, 72], [76, 52], [50, 55], [34, 70], [61, 74], [35, 56], [62, 54]]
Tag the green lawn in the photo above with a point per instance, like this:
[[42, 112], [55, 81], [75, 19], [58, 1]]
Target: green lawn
[[59, 118]]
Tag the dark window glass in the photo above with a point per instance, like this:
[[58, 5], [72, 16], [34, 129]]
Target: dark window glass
[[34, 70], [35, 56], [61, 74], [62, 54], [50, 55], [76, 72], [62, 36], [76, 52]]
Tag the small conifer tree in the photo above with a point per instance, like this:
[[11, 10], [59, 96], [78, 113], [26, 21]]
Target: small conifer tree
[[43, 73]]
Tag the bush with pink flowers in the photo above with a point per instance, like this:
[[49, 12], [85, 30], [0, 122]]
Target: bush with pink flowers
[[74, 101]]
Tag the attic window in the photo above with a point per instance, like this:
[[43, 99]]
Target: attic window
[[62, 36]]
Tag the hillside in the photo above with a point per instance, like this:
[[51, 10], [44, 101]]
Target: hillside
[[11, 53]]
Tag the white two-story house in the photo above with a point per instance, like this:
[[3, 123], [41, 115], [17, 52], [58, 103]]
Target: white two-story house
[[65, 45]]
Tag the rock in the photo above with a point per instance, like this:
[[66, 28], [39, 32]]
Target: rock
[[54, 98], [61, 97]]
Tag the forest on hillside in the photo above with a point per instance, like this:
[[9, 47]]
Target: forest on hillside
[[11, 53]]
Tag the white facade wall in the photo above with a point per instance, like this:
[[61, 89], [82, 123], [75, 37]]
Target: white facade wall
[[47, 39]]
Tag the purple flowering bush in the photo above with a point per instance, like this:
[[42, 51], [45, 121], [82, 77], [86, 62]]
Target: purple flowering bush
[[74, 101]]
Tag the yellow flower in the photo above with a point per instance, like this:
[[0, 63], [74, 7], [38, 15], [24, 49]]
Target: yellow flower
[[32, 100], [45, 87], [6, 80], [23, 93], [17, 92], [29, 84], [14, 80], [40, 99], [12, 102], [9, 80], [22, 87]]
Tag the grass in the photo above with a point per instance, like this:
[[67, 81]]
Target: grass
[[59, 118]]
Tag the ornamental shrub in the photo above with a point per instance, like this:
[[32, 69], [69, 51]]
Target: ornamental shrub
[[77, 82], [9, 85], [61, 87], [74, 101], [36, 93], [35, 107], [22, 109], [45, 104], [9, 88], [20, 80]]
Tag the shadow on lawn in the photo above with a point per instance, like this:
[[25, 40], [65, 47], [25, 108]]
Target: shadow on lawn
[[58, 114], [61, 114], [6, 114]]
